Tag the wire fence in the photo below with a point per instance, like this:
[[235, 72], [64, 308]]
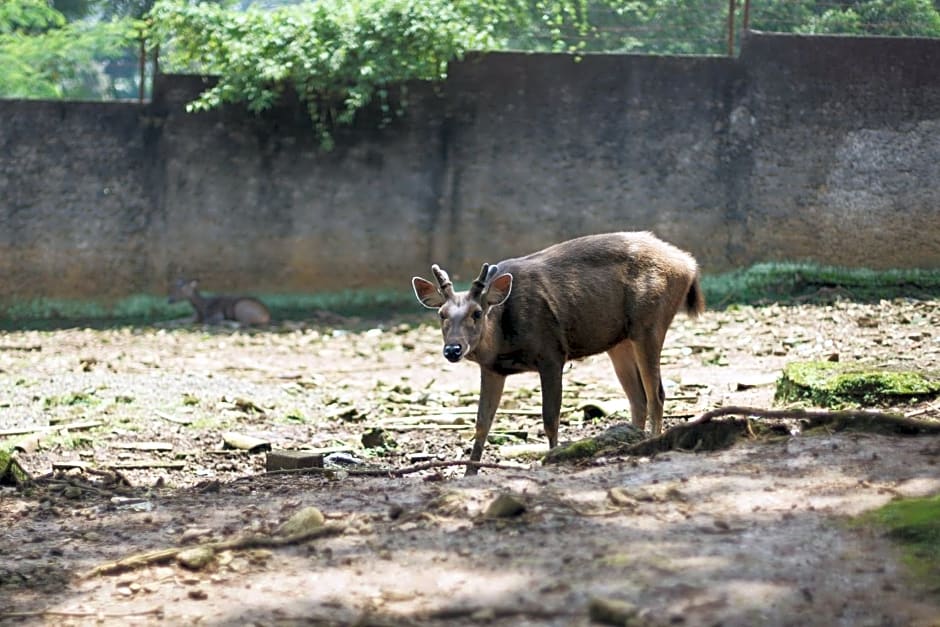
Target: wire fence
[[714, 27]]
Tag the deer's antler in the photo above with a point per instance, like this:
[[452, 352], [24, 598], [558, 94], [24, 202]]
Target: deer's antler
[[479, 284], [447, 287]]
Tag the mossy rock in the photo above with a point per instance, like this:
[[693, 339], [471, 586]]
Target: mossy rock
[[834, 384], [614, 437], [11, 473], [915, 525]]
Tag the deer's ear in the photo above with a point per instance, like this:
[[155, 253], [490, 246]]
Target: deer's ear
[[427, 293], [498, 290]]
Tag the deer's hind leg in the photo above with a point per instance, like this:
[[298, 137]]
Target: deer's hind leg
[[623, 356], [648, 349]]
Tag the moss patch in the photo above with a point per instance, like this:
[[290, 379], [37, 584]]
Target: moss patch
[[915, 525], [614, 437], [11, 473], [806, 282], [833, 384]]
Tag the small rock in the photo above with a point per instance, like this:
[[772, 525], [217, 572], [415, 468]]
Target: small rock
[[374, 438], [192, 534], [196, 558], [125, 591], [620, 496], [505, 506], [611, 611], [343, 459], [260, 556], [289, 460], [302, 521], [198, 594]]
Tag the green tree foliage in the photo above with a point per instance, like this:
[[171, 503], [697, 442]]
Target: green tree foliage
[[28, 17], [343, 55], [338, 55], [44, 56]]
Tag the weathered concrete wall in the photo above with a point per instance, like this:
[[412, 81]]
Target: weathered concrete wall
[[255, 203], [820, 149], [842, 150], [77, 199]]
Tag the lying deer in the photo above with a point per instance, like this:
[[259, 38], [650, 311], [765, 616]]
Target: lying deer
[[616, 292], [212, 310]]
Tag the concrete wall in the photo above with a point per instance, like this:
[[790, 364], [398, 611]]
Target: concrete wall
[[842, 150], [822, 149]]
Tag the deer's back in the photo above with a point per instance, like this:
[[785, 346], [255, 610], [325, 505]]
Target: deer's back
[[243, 309], [590, 293]]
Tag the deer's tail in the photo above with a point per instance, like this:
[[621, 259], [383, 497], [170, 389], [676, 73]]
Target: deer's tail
[[694, 298]]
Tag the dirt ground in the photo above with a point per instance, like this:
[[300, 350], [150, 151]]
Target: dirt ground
[[757, 534]]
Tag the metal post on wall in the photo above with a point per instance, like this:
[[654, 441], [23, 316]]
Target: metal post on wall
[[730, 28], [142, 67]]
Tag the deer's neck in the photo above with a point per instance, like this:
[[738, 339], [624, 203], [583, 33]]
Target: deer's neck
[[199, 303]]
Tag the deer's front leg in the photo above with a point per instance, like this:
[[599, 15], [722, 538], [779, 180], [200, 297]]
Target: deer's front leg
[[550, 377], [491, 390]]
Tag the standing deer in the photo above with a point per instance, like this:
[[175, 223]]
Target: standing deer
[[245, 310], [615, 292]]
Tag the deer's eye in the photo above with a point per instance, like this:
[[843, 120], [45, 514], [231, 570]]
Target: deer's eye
[[477, 314], [442, 315]]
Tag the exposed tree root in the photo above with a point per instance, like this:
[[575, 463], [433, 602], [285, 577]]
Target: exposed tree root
[[704, 433], [848, 420], [485, 613], [706, 436]]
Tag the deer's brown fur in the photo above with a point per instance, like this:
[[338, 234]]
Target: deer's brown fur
[[615, 293], [246, 310]]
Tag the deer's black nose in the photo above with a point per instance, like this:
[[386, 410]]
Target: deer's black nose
[[452, 352]]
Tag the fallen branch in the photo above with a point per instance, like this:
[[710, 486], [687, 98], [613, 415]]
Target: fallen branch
[[157, 611], [245, 542], [923, 410], [391, 472], [28, 348], [173, 419], [146, 464], [71, 426]]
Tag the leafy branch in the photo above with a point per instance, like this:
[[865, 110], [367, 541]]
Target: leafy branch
[[338, 56]]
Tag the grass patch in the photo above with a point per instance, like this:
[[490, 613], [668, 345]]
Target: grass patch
[[786, 282], [915, 525], [760, 284], [47, 313], [70, 400], [836, 385]]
